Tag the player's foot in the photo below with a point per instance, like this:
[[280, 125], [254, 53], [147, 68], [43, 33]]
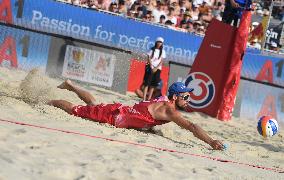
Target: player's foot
[[66, 85]]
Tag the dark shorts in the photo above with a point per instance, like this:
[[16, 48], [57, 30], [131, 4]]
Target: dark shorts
[[150, 78], [231, 14]]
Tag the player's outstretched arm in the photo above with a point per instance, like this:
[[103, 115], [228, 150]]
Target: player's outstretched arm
[[197, 131]]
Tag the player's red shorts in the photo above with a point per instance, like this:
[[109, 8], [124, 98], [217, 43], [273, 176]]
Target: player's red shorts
[[103, 113], [118, 115]]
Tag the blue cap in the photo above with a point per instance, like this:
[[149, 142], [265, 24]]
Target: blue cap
[[178, 87]]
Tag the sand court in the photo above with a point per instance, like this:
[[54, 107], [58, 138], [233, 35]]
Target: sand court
[[36, 153]]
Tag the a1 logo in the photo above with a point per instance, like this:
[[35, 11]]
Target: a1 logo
[[8, 49], [6, 10]]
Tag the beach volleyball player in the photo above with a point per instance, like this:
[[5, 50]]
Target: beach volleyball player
[[145, 114]]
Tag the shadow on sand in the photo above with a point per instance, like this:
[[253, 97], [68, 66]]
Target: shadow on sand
[[266, 146]]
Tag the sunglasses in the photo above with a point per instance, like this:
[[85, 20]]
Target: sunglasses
[[185, 98]]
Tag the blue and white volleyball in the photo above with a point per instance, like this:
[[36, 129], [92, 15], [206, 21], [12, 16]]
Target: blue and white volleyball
[[267, 126]]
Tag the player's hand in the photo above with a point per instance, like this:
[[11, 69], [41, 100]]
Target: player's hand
[[235, 5], [217, 145]]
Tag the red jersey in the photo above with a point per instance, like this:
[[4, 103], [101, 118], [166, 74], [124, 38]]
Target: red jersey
[[121, 116]]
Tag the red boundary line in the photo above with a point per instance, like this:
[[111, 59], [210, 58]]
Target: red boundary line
[[277, 170]]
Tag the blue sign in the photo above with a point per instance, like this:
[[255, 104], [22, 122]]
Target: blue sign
[[118, 31], [94, 26], [22, 49], [98, 27], [263, 68]]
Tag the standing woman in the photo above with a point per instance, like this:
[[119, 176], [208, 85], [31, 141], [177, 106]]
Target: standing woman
[[153, 68]]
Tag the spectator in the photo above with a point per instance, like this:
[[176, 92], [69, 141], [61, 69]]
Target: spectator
[[148, 17], [190, 26], [254, 25], [210, 2], [170, 24], [76, 2], [254, 44], [196, 25], [233, 10], [122, 8], [128, 4], [195, 14], [197, 3], [171, 15], [183, 24], [185, 4], [174, 4], [136, 6], [88, 3], [182, 10], [102, 4], [273, 46], [166, 8], [162, 19], [259, 12], [144, 4], [203, 8], [186, 16], [92, 4], [140, 12], [157, 12], [113, 7], [200, 30], [153, 68], [185, 19], [180, 16], [207, 16], [152, 4], [132, 13], [218, 10]]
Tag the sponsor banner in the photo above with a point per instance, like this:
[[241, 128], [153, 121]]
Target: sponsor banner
[[273, 34], [23, 49], [91, 25], [263, 68], [57, 53], [275, 27], [258, 100], [89, 66]]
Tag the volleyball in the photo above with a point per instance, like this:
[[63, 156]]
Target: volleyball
[[267, 126]]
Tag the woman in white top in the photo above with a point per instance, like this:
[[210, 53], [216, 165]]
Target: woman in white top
[[153, 68]]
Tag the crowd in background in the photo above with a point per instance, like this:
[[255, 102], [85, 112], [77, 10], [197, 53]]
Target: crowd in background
[[191, 16]]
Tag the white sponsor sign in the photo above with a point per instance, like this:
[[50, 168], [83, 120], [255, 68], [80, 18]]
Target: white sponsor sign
[[89, 66]]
